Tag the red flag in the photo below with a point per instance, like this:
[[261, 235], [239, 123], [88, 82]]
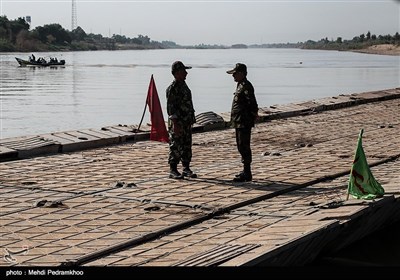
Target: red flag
[[158, 129]]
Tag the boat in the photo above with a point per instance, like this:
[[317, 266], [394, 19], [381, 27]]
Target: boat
[[40, 62]]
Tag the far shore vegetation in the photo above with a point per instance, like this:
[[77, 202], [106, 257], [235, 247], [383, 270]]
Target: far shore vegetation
[[16, 36]]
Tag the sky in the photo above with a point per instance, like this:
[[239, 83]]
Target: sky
[[216, 22]]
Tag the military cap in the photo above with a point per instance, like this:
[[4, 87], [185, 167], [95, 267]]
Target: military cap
[[178, 65], [239, 67]]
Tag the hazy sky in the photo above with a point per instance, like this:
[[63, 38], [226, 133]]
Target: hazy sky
[[217, 22]]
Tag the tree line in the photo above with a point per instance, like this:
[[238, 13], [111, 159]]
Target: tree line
[[15, 35], [358, 42]]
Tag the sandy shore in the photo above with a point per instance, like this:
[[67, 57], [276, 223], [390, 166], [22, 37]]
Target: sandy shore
[[383, 49]]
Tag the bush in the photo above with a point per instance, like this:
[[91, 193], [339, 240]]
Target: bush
[[6, 46]]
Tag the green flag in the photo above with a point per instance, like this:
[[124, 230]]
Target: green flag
[[362, 183]]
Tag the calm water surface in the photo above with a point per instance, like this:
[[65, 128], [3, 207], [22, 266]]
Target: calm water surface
[[100, 88]]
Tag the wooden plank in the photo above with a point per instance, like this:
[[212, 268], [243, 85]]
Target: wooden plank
[[7, 153], [100, 133], [283, 249]]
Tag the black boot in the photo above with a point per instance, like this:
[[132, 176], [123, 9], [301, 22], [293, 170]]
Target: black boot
[[239, 174], [245, 175], [187, 172], [173, 172]]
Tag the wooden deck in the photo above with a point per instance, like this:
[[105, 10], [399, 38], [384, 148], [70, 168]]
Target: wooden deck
[[103, 197]]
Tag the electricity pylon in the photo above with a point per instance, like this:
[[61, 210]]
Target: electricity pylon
[[74, 20]]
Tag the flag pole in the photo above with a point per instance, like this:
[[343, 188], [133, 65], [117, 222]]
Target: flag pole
[[144, 111], [354, 158]]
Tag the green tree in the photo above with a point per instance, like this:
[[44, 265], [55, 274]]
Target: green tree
[[120, 39], [78, 34], [396, 38], [95, 37], [53, 32], [17, 26], [144, 39], [136, 41], [4, 27]]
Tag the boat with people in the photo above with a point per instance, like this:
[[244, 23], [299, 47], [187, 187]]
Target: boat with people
[[52, 61]]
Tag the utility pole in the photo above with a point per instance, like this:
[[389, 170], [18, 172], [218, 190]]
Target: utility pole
[[74, 20]]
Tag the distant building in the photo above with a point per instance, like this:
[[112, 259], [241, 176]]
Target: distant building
[[28, 19]]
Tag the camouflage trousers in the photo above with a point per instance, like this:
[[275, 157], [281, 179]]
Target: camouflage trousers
[[180, 146], [243, 136]]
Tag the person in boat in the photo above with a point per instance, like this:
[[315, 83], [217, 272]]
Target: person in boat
[[53, 60], [32, 58]]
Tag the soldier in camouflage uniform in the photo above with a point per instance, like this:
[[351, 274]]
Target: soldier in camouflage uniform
[[180, 121], [244, 113]]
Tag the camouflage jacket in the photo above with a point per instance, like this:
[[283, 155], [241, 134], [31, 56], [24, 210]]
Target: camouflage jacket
[[244, 106], [180, 104]]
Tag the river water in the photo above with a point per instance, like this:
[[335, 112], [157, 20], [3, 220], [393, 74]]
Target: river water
[[100, 88]]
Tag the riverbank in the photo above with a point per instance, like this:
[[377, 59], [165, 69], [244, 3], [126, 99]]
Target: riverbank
[[383, 49]]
